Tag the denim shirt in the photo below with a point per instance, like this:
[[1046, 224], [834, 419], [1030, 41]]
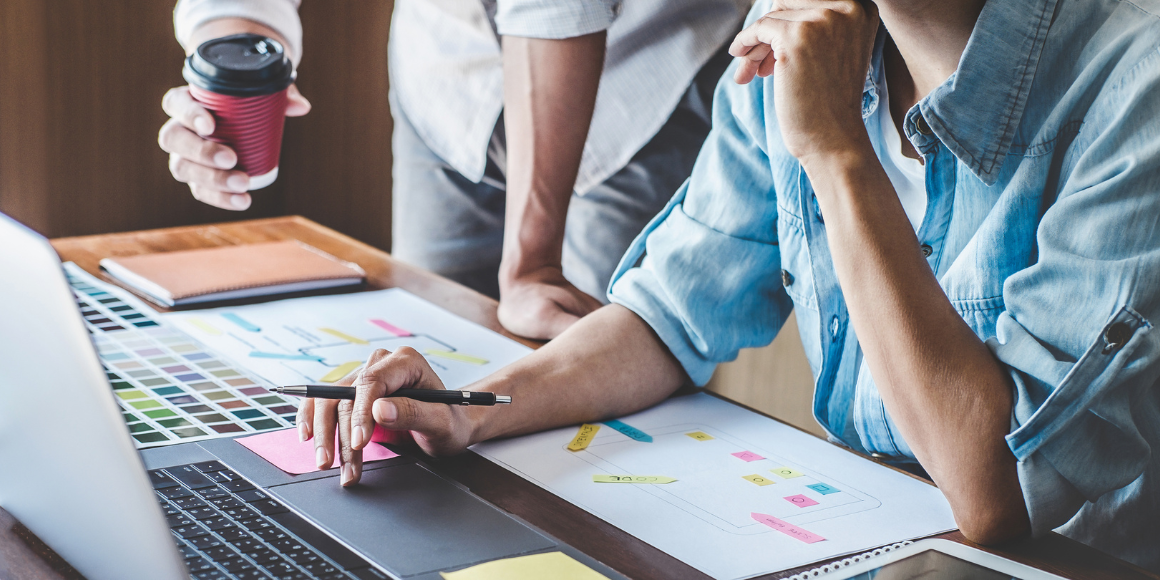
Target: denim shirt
[[1042, 157]]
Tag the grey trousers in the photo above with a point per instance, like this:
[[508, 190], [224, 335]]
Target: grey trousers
[[447, 224]]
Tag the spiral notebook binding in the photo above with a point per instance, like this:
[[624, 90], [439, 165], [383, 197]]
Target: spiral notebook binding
[[835, 566]]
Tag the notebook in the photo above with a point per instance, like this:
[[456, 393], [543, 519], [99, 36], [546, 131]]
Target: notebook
[[230, 272]]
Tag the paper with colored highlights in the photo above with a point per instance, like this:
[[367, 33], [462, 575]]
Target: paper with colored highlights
[[286, 452], [340, 371], [800, 500], [700, 436], [553, 565], [747, 456], [474, 360], [632, 479], [241, 322], [823, 489], [391, 328], [757, 479], [786, 473], [342, 335], [788, 528], [583, 437], [629, 430], [284, 356]]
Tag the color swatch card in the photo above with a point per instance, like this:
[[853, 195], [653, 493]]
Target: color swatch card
[[743, 494], [171, 388], [323, 338]]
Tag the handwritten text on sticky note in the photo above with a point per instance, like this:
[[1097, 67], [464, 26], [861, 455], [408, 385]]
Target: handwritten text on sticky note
[[747, 456], [700, 435], [787, 473], [757, 479], [787, 528], [583, 437], [632, 479]]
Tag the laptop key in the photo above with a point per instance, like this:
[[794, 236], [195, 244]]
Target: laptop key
[[205, 542], [268, 507], [368, 574], [208, 466], [279, 568], [209, 575], [235, 564], [318, 540], [304, 557], [190, 502], [287, 545], [264, 557], [335, 576], [236, 486], [319, 568], [217, 523], [175, 492], [212, 492], [187, 552], [251, 574], [178, 520], [240, 513], [160, 479], [170, 510], [252, 495], [190, 531], [272, 535], [233, 533], [198, 565], [225, 502], [257, 524], [221, 554], [248, 544], [202, 513], [191, 477]]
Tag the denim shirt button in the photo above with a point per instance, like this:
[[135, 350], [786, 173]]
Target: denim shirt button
[[835, 325], [1116, 336], [927, 250], [786, 278], [921, 126]]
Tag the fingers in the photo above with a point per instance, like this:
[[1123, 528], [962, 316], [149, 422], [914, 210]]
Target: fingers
[[297, 105], [351, 458], [304, 419], [187, 170], [430, 422], [180, 105], [325, 413], [386, 372], [176, 138]]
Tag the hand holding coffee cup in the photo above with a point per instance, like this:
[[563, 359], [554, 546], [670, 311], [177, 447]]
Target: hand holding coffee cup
[[230, 117]]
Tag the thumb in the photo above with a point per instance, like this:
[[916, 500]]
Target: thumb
[[403, 414], [297, 105]]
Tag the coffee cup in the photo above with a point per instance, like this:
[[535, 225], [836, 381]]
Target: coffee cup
[[243, 81]]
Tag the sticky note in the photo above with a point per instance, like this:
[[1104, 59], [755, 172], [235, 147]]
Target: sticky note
[[758, 479], [278, 355], [786, 472], [747, 456], [700, 435], [800, 500], [241, 322], [391, 328], [632, 479], [630, 431], [284, 451], [555, 565], [823, 488], [787, 528], [340, 371], [204, 326], [456, 356], [343, 335], [583, 437]]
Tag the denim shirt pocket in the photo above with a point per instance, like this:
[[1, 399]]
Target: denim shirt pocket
[[796, 271]]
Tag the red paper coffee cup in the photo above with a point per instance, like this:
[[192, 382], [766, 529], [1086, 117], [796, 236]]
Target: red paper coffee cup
[[242, 80]]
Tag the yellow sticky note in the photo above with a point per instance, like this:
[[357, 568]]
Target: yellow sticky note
[[555, 565], [583, 437], [757, 479], [205, 326], [456, 356], [340, 371], [632, 479], [700, 435], [786, 472], [343, 335]]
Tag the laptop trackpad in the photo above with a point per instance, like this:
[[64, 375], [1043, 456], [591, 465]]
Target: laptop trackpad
[[411, 521]]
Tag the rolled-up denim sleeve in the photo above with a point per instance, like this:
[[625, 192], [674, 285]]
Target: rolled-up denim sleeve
[[553, 19], [279, 15], [705, 273], [1077, 334]]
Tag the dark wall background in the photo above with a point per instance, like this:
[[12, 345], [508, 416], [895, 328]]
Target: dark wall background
[[80, 105]]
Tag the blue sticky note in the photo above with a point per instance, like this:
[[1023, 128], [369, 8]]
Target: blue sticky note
[[241, 322], [630, 431], [823, 488]]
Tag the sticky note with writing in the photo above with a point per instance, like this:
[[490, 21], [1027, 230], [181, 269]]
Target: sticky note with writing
[[632, 479], [700, 435], [800, 500], [583, 437], [747, 456], [787, 528], [629, 430], [823, 488], [787, 473], [758, 479]]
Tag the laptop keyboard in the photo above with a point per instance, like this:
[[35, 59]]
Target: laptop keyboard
[[227, 528]]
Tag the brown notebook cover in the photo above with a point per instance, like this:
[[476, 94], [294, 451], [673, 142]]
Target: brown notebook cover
[[228, 272]]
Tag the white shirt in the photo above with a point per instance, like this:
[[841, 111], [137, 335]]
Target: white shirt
[[447, 73], [908, 176]]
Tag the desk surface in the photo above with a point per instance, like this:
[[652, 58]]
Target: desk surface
[[23, 556]]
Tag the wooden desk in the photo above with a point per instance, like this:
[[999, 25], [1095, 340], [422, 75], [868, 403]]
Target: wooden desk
[[23, 556]]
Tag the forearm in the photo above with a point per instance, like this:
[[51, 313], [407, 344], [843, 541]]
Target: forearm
[[942, 386], [609, 364], [549, 94]]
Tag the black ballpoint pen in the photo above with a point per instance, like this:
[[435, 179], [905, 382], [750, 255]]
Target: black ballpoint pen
[[450, 397]]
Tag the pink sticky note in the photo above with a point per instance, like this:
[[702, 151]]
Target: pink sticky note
[[800, 500], [747, 456], [283, 449], [787, 528], [391, 328]]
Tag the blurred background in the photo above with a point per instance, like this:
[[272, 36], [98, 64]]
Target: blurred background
[[80, 106]]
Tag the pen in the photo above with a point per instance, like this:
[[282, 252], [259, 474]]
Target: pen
[[451, 397]]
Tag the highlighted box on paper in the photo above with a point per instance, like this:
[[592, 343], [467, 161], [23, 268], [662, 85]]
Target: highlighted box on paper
[[747, 456], [391, 328], [205, 326], [456, 356], [700, 435], [823, 488], [632, 479], [583, 437], [340, 371], [629, 431], [801, 500], [786, 472], [757, 479], [278, 355], [787, 528], [241, 322], [343, 336]]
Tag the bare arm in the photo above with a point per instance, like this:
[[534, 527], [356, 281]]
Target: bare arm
[[549, 94]]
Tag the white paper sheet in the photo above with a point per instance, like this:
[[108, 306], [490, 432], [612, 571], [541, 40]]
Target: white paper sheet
[[705, 518], [299, 341]]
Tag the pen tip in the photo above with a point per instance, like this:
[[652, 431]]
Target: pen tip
[[275, 389]]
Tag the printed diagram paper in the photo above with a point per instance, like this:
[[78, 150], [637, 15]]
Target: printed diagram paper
[[751, 495], [321, 339]]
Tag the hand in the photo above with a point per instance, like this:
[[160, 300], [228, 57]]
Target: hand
[[204, 164], [819, 52], [542, 304], [437, 428]]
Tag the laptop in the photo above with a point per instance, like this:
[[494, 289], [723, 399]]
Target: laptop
[[208, 509]]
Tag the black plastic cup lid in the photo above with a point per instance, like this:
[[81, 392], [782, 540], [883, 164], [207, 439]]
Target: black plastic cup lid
[[242, 65]]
